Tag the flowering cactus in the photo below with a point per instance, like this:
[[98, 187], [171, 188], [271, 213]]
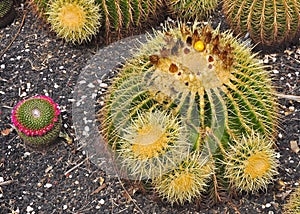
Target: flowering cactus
[[37, 120]]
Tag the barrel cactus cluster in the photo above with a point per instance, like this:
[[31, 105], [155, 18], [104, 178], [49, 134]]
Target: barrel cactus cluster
[[78, 21], [269, 23], [37, 121], [193, 107]]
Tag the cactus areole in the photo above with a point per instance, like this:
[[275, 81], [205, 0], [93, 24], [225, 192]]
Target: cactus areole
[[37, 120]]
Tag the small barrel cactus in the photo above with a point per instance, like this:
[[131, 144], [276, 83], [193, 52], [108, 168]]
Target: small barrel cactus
[[293, 204], [7, 12], [269, 23], [74, 21], [192, 87], [37, 121], [251, 163], [188, 9]]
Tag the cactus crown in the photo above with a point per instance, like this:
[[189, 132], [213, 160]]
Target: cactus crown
[[35, 116]]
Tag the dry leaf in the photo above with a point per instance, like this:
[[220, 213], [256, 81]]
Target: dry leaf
[[294, 146]]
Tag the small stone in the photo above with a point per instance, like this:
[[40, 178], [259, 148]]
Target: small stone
[[280, 135], [103, 85], [61, 67], [26, 154], [1, 179], [91, 85], [275, 71], [65, 207], [101, 201], [294, 146], [48, 185], [29, 209], [2, 66], [268, 205]]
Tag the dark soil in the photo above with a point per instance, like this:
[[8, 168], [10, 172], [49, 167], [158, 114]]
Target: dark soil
[[64, 179]]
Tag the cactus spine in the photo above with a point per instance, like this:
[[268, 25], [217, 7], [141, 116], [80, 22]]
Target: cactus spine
[[37, 121], [269, 23], [212, 84]]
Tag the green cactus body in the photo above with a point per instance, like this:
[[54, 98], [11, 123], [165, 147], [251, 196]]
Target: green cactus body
[[124, 13], [209, 82], [37, 121], [268, 23], [188, 9], [7, 12]]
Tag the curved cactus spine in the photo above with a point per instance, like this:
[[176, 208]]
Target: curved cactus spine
[[269, 23], [293, 204], [188, 9], [211, 83], [37, 121]]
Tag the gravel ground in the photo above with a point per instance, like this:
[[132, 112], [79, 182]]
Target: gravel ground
[[64, 179]]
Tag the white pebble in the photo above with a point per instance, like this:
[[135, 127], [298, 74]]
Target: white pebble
[[91, 85], [2, 66], [275, 71], [280, 135], [86, 128], [65, 207], [19, 57], [101, 201], [103, 85], [61, 67], [268, 205], [55, 85], [29, 209], [47, 185], [1, 179], [26, 154]]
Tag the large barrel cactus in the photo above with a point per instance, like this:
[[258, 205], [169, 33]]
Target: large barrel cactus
[[191, 97], [37, 121], [269, 23]]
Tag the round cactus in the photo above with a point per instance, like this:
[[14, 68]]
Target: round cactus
[[75, 21], [7, 12], [293, 204], [37, 121], [186, 181], [212, 84], [188, 9], [269, 23], [251, 163]]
